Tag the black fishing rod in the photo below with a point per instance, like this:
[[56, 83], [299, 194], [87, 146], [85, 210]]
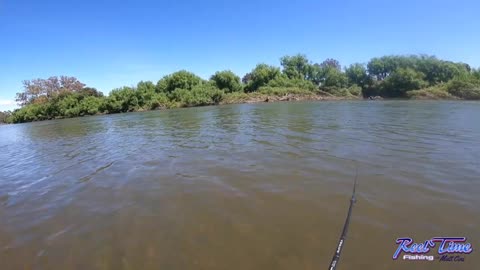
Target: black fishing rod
[[338, 252]]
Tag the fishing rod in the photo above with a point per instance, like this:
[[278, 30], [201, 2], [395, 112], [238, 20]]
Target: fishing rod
[[338, 252]]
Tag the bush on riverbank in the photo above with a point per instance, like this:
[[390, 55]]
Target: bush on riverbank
[[464, 88], [30, 113], [434, 92], [409, 76], [457, 88], [200, 95], [5, 117], [179, 80], [63, 105], [227, 81]]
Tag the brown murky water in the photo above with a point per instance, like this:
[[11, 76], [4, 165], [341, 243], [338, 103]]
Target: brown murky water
[[240, 187]]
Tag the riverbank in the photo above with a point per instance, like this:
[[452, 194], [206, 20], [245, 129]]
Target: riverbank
[[230, 98], [407, 77], [135, 100], [263, 98]]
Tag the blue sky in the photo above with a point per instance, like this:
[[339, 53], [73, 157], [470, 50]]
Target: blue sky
[[108, 44]]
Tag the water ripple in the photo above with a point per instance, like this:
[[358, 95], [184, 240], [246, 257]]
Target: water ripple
[[243, 183]]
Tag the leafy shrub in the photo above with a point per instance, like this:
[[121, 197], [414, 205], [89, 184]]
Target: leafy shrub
[[466, 89], [227, 81], [284, 82], [355, 90], [434, 92], [5, 117], [30, 113], [401, 81], [158, 100], [334, 78], [200, 95], [122, 100], [178, 80], [260, 76], [90, 106]]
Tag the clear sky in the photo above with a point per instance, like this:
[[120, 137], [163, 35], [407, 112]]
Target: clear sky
[[111, 43]]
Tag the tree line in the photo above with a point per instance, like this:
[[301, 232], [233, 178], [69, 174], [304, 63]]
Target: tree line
[[403, 76]]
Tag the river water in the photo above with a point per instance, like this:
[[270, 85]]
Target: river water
[[251, 186]]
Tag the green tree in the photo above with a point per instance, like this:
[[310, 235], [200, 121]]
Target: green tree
[[30, 113], [146, 87], [5, 117], [476, 74], [328, 74], [145, 94], [200, 95], [334, 78], [317, 74], [148, 98], [465, 87], [180, 79], [401, 81], [437, 71], [227, 81], [90, 105], [296, 67], [66, 105], [261, 76], [357, 74], [122, 100], [378, 68]]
